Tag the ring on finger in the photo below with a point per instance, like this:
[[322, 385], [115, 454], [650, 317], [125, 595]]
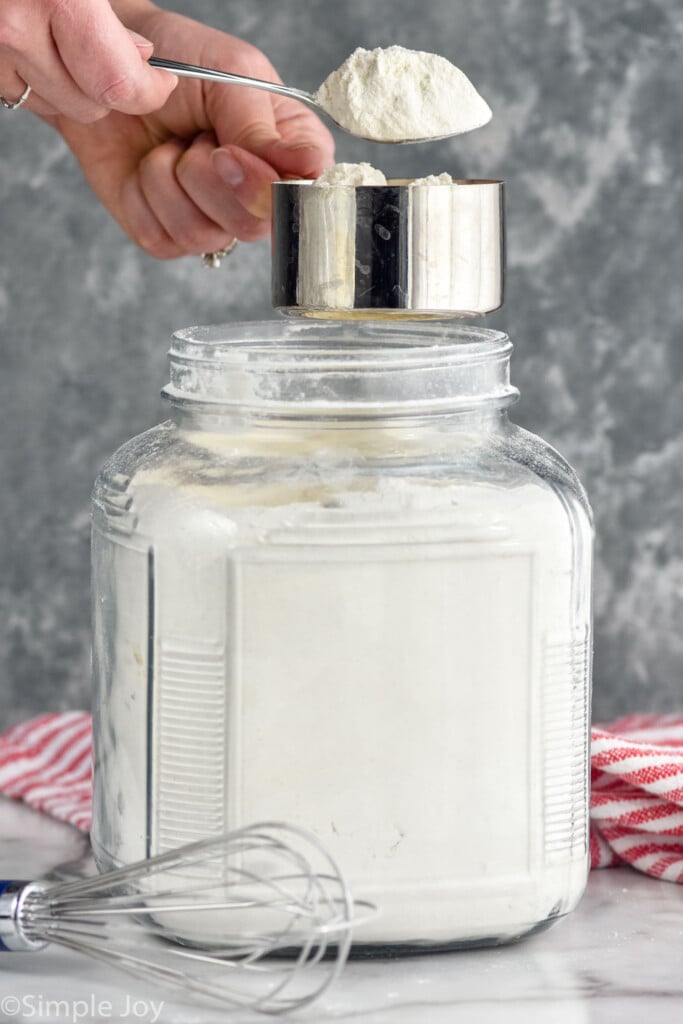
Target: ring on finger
[[212, 260], [9, 105]]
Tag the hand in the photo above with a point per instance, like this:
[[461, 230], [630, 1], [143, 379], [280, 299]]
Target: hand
[[79, 60], [193, 175]]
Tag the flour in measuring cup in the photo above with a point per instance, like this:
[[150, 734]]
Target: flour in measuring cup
[[352, 175], [434, 179]]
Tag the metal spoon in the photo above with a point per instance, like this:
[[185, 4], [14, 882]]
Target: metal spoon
[[211, 75]]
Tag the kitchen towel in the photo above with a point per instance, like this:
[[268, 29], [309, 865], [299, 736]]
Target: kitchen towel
[[637, 794], [636, 790], [47, 763]]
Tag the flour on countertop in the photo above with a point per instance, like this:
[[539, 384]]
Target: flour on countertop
[[397, 95]]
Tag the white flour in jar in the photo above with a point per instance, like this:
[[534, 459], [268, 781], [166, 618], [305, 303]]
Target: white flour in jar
[[343, 656], [397, 95]]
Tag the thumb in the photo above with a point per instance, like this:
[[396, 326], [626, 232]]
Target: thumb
[[247, 176], [250, 176], [293, 141], [144, 46]]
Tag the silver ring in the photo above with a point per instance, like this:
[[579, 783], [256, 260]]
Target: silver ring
[[8, 105], [212, 260]]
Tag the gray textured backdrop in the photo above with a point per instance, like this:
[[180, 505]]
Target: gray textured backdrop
[[586, 131]]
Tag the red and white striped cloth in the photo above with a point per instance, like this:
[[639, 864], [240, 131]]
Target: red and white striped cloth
[[636, 768], [47, 763], [637, 795]]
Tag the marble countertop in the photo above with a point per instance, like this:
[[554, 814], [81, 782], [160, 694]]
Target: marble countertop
[[618, 959]]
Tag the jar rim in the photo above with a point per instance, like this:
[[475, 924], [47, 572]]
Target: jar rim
[[363, 343], [300, 367]]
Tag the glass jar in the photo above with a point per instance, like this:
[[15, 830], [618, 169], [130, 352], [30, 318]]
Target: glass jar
[[339, 588]]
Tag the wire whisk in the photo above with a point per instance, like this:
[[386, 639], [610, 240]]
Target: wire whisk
[[259, 918]]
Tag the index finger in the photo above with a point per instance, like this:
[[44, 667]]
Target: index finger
[[101, 57]]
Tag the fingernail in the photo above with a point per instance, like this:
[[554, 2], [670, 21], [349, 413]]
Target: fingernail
[[140, 40], [259, 204], [227, 168]]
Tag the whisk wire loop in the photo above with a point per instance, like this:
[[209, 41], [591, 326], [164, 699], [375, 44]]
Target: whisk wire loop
[[259, 918]]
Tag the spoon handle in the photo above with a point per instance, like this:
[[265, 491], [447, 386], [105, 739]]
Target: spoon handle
[[211, 75]]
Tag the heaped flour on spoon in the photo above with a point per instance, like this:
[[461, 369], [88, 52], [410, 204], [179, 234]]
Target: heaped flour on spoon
[[399, 95]]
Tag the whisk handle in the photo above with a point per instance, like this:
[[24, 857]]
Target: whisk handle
[[13, 938]]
